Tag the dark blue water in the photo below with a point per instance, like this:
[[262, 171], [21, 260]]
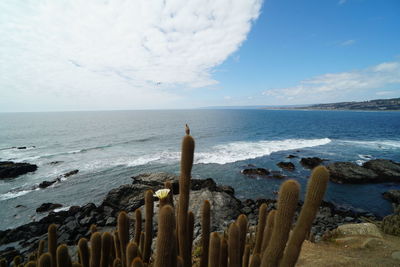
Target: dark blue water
[[110, 147]]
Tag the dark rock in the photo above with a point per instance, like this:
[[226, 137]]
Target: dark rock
[[311, 163], [291, 156], [9, 169], [256, 171], [386, 169], [20, 206], [392, 195], [71, 173], [286, 166], [21, 147], [347, 172], [277, 175], [48, 206], [55, 162], [45, 184]]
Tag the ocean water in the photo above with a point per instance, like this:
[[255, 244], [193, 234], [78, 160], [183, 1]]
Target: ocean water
[[110, 147]]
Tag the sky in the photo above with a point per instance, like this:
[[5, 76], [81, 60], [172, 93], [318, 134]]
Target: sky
[[147, 54]]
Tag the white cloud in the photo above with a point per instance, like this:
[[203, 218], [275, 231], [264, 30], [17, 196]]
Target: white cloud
[[348, 42], [138, 50], [331, 85]]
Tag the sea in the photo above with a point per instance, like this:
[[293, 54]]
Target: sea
[[109, 147]]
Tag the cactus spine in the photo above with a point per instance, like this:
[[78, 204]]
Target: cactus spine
[[45, 260], [184, 188], [287, 202], [205, 233], [214, 251], [95, 250], [83, 252], [268, 230], [315, 192], [149, 205], [106, 244], [234, 246], [223, 253], [262, 218], [166, 227], [123, 234], [52, 243], [138, 225], [63, 259], [242, 224]]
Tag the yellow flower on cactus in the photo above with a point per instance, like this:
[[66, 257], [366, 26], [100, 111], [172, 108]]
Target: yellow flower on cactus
[[162, 193]]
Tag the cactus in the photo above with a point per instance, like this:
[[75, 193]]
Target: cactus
[[93, 228], [149, 205], [123, 234], [3, 263], [269, 227], [106, 244], [184, 188], [205, 233], [168, 185], [315, 192], [223, 253], [131, 253], [137, 262], [179, 262], [17, 260], [117, 262], [234, 245], [246, 256], [242, 224], [214, 251], [83, 252], [30, 264], [190, 228], [255, 261], [95, 250], [287, 203], [52, 243], [262, 219], [45, 260], [142, 238], [138, 225], [166, 227], [63, 259], [76, 264], [117, 245], [40, 249]]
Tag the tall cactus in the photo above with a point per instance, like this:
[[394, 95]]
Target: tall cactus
[[117, 245], [106, 244], [132, 252], [205, 233], [52, 243], [246, 256], [168, 185], [287, 203], [315, 192], [269, 227], [190, 228], [166, 228], [255, 261], [262, 219], [40, 249], [234, 246], [242, 223], [148, 227], [63, 259], [223, 253], [138, 225], [95, 249], [123, 234], [45, 260], [214, 251], [184, 188], [83, 252], [137, 262]]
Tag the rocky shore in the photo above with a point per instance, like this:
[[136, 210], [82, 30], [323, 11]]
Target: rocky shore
[[75, 222]]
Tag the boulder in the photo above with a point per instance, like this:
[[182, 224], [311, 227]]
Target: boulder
[[47, 207], [311, 163], [367, 229], [387, 170], [68, 174], [9, 169], [256, 171], [45, 184], [286, 166], [347, 172], [392, 195]]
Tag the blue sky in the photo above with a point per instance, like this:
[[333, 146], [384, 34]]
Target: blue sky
[[119, 54]]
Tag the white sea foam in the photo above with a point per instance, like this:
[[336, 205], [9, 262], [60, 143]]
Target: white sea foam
[[231, 152], [62, 208], [14, 194], [376, 144]]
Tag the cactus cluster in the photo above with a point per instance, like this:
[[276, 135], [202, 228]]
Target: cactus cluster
[[272, 245]]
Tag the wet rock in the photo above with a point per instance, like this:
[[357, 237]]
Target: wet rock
[[45, 184], [55, 162], [277, 175], [256, 171], [347, 172], [392, 195], [311, 163], [286, 166], [291, 156], [68, 174], [387, 170], [21, 147], [9, 169], [47, 207]]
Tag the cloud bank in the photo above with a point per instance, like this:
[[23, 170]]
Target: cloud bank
[[139, 52], [334, 85]]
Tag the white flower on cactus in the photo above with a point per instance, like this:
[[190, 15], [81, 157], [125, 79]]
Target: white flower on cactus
[[162, 193]]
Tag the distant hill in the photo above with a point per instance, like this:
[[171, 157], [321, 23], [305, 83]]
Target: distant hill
[[377, 104]]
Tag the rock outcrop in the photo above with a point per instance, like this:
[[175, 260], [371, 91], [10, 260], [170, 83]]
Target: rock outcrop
[[311, 163], [9, 169], [286, 166]]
